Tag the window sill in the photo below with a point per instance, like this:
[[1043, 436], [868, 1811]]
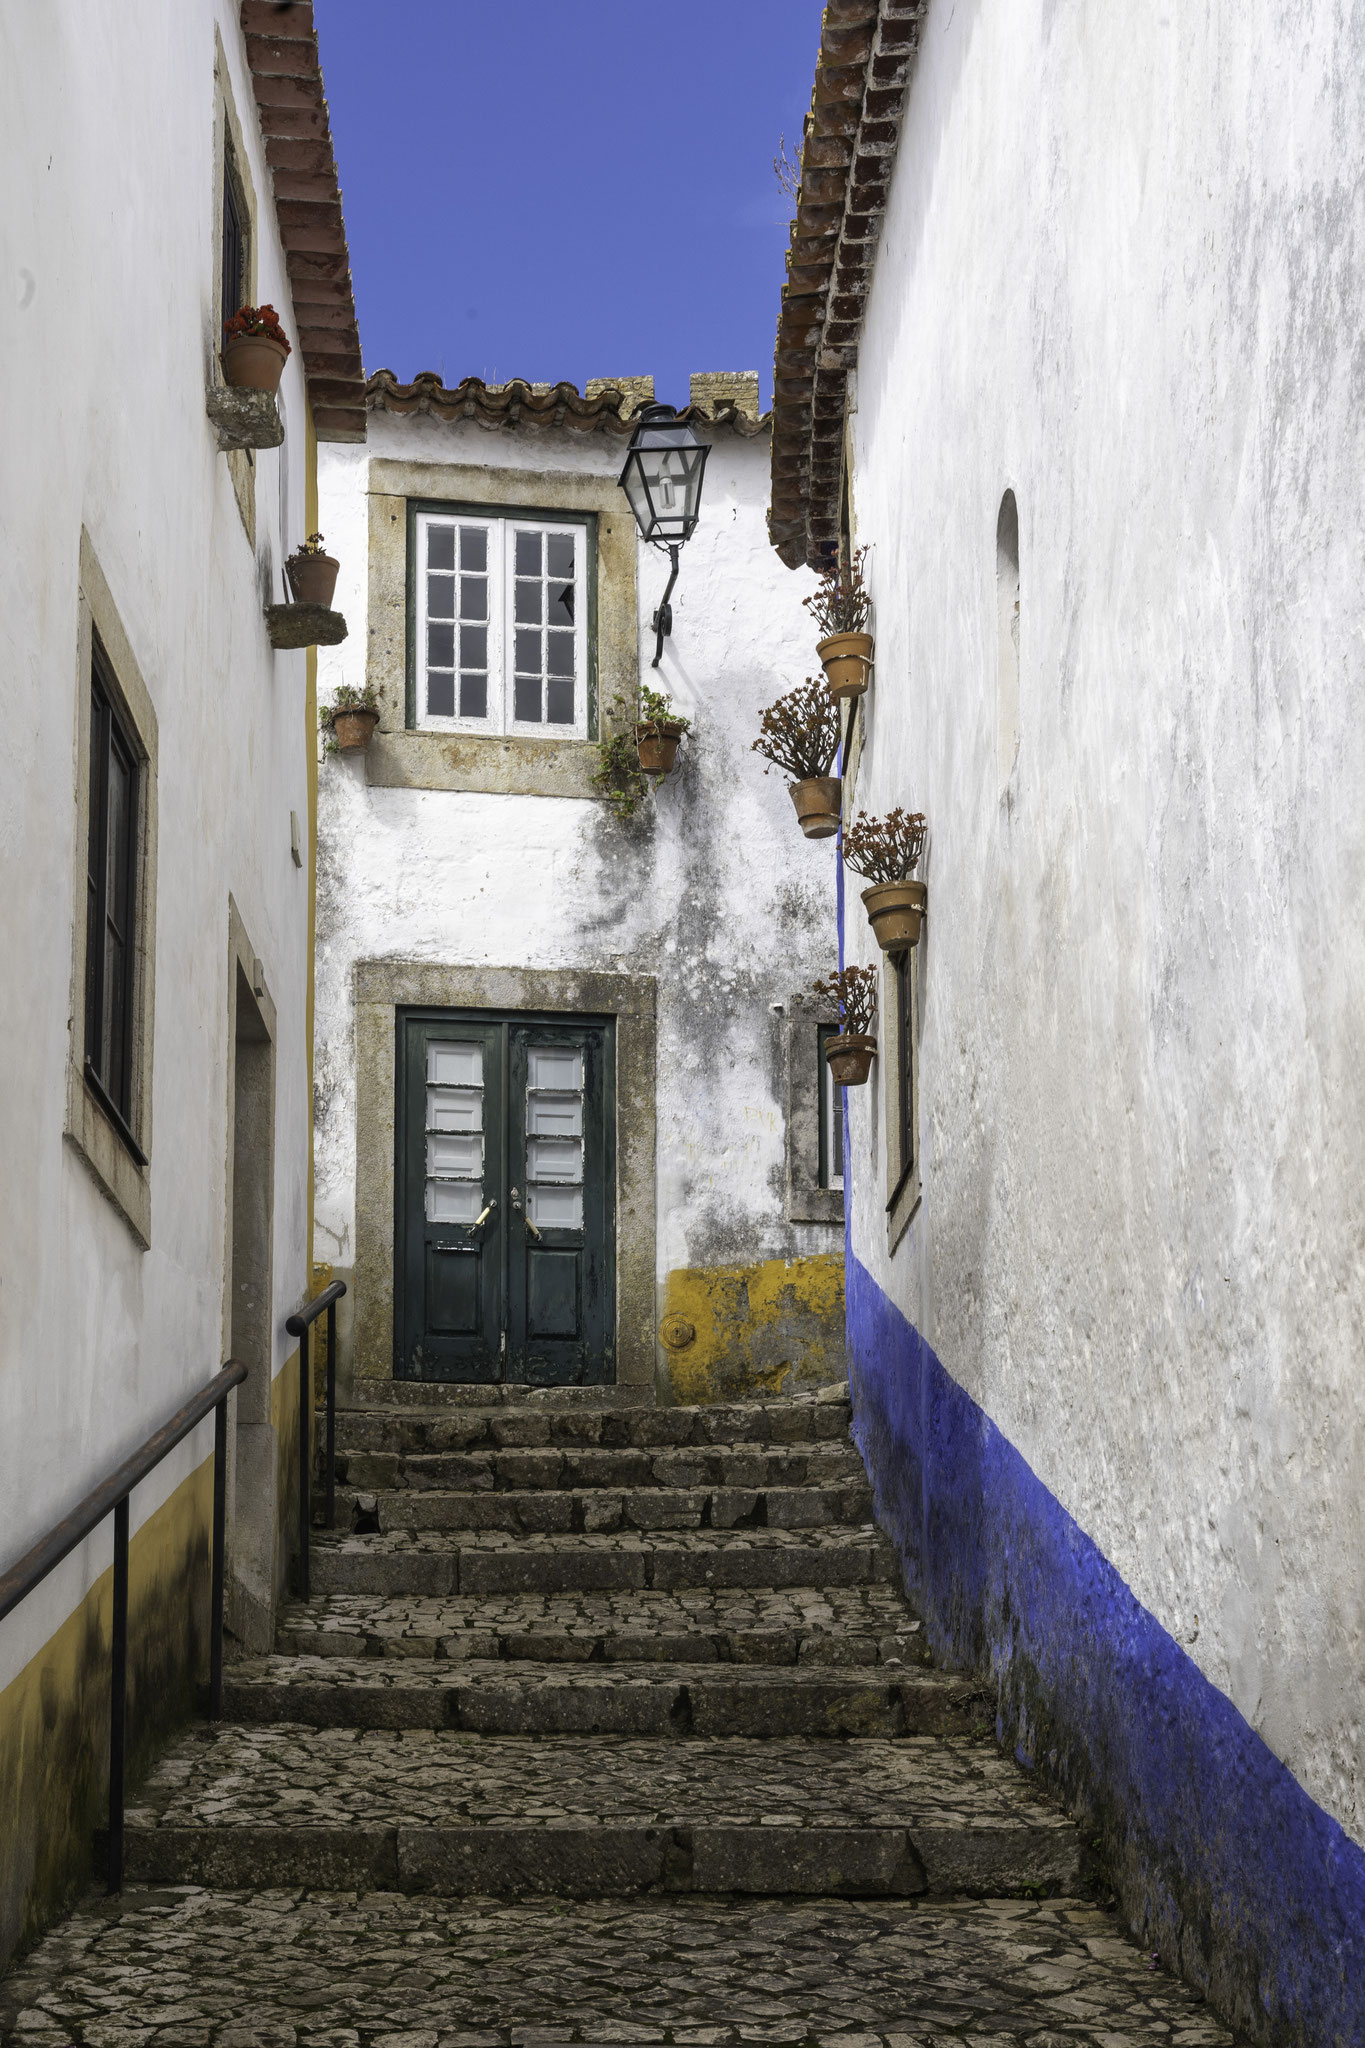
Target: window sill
[[93, 1133], [244, 419], [815, 1205], [501, 765]]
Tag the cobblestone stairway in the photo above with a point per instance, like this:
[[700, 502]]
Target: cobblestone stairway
[[605, 1725]]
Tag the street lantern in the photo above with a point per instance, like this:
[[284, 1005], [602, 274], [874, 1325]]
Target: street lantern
[[662, 481]]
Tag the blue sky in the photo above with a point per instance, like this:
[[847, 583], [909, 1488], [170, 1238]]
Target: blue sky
[[567, 188]]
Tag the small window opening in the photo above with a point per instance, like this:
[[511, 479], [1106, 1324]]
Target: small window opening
[[1007, 623], [234, 240], [111, 901], [831, 1164]]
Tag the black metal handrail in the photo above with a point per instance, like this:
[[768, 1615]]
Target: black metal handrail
[[299, 1326], [112, 1497]]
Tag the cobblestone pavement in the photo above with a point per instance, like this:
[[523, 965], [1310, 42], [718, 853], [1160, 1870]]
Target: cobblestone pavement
[[250, 1777], [185, 1968]]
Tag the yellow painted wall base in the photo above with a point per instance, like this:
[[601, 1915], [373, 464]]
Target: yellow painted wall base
[[763, 1329], [54, 1717]]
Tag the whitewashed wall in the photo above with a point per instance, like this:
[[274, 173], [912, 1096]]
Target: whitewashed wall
[[109, 202], [1121, 273], [719, 896]]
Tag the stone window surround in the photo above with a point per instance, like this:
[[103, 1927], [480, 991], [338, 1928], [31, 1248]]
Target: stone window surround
[[510, 765], [806, 1200], [381, 989], [902, 1187], [87, 1127]]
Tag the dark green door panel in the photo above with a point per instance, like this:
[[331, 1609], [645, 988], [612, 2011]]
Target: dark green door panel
[[504, 1257]]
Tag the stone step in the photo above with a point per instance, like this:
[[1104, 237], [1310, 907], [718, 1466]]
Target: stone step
[[621, 1469], [442, 1814], [601, 1511], [433, 1562], [536, 1422], [671, 1701], [197, 1966], [839, 1628]]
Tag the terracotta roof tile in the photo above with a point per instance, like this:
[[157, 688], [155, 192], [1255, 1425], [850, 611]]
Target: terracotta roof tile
[[286, 77], [609, 409], [862, 75]]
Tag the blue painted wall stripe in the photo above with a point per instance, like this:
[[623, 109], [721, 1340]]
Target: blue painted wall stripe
[[1221, 1860]]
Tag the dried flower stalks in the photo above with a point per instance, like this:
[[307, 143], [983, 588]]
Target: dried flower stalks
[[885, 849], [841, 604], [800, 732], [853, 992]]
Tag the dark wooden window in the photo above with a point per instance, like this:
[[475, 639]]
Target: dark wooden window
[[831, 1163], [905, 1058], [111, 901], [234, 243]]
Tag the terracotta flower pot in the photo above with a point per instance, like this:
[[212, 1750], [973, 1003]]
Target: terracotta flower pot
[[657, 746], [313, 578], [847, 661], [352, 730], [850, 1057], [254, 362], [817, 805], [895, 911]]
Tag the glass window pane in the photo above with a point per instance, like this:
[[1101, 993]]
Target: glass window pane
[[474, 696], [554, 1116], [559, 554], [528, 652], [473, 647], [528, 603], [455, 1064], [526, 706], [454, 1109], [474, 548], [528, 554], [120, 815], [555, 1208], [554, 1159], [474, 597], [453, 1201], [554, 1066], [440, 597], [440, 547], [458, 1155], [440, 695], [440, 646], [559, 610], [559, 700], [561, 654]]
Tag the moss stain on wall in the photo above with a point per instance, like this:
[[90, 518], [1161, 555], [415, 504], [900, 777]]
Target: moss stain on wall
[[759, 1329]]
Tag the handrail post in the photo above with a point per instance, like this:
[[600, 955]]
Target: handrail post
[[331, 1412], [118, 1695], [219, 1537], [305, 1459]]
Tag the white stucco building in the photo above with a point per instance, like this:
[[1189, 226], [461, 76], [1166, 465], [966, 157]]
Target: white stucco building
[[155, 845], [1070, 344], [475, 886]]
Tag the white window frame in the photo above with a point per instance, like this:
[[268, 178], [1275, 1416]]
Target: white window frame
[[502, 529]]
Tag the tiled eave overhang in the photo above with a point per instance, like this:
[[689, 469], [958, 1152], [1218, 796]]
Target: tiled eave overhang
[[862, 77], [282, 51], [519, 404]]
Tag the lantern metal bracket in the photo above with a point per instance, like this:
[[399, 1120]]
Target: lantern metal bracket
[[662, 621]]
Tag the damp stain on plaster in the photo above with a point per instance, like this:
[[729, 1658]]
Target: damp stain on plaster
[[766, 1328]]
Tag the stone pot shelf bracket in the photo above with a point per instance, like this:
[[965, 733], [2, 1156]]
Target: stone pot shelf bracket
[[244, 419], [304, 625]]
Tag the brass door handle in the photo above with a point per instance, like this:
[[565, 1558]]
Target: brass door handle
[[532, 1227], [483, 1215]]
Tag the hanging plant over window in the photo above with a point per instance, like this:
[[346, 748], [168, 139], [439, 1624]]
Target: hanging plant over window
[[886, 851], [800, 732]]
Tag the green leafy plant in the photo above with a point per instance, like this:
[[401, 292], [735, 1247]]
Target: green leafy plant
[[347, 698], [618, 774], [256, 320], [885, 849], [800, 732], [842, 603], [654, 708], [853, 992]]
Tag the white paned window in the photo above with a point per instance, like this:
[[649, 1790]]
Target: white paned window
[[502, 625], [554, 1137], [454, 1132]]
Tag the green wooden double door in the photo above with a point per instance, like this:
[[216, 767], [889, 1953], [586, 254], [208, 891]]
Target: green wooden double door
[[504, 1265]]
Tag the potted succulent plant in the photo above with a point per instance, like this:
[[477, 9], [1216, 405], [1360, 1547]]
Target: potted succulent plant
[[841, 609], [886, 852], [853, 991], [312, 573], [800, 733], [658, 729], [254, 349], [350, 719]]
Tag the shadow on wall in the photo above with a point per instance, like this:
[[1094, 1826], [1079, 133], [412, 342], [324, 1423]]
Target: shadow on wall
[[1219, 1857], [733, 1332]]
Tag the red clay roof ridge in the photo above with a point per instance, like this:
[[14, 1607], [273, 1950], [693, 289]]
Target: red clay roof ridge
[[605, 407]]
